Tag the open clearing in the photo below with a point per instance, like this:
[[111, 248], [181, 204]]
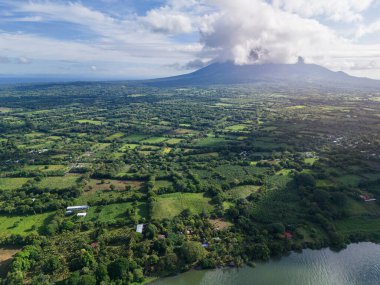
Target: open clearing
[[96, 185], [112, 212], [22, 224], [6, 255], [170, 205]]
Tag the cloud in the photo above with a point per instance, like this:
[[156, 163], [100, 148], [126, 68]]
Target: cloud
[[195, 64], [337, 10], [4, 59], [258, 31], [166, 21], [113, 39], [23, 60], [365, 65], [252, 31], [191, 65], [364, 30]]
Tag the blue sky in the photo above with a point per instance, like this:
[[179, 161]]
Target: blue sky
[[127, 39]]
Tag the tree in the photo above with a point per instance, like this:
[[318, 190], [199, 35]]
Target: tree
[[52, 264], [304, 179], [118, 269], [138, 275], [42, 280], [87, 280], [74, 279], [192, 251], [102, 273], [150, 231], [260, 252], [339, 198]]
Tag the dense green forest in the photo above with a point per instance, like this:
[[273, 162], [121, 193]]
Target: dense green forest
[[218, 176]]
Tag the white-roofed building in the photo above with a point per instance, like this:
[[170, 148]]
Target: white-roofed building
[[139, 228]]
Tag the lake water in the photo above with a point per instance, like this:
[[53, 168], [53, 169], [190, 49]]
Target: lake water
[[359, 264]]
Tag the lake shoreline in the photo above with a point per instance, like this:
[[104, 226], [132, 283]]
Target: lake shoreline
[[276, 259]]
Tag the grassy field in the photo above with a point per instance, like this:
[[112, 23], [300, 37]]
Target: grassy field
[[114, 136], [242, 191], [43, 169], [95, 185], [311, 160], [170, 205], [129, 146], [111, 212], [12, 183], [349, 180], [162, 184], [154, 140], [173, 141], [58, 182], [92, 122], [236, 128], [365, 225], [22, 225]]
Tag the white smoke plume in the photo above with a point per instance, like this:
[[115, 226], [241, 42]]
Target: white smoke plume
[[254, 31]]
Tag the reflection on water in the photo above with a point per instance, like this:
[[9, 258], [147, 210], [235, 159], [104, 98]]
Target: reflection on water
[[359, 264]]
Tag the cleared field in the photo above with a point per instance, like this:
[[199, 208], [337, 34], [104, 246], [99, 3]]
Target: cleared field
[[210, 142], [58, 182], [129, 146], [92, 122], [173, 141], [114, 136], [6, 255], [112, 212], [166, 150], [237, 127], [154, 140], [12, 183], [100, 146], [171, 205], [44, 168], [364, 225], [242, 191], [311, 160], [349, 180], [184, 132], [158, 184], [96, 185], [23, 224]]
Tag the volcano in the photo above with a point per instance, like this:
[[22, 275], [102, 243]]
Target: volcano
[[299, 74]]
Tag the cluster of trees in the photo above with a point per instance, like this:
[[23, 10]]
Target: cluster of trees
[[31, 199]]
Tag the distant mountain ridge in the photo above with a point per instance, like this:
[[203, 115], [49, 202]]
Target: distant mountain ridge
[[293, 74]]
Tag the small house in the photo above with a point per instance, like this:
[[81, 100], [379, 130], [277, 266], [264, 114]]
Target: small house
[[139, 228]]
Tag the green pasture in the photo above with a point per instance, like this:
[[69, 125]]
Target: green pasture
[[22, 224], [170, 205]]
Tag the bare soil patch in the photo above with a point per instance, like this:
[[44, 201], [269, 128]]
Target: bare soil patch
[[6, 255], [220, 224]]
